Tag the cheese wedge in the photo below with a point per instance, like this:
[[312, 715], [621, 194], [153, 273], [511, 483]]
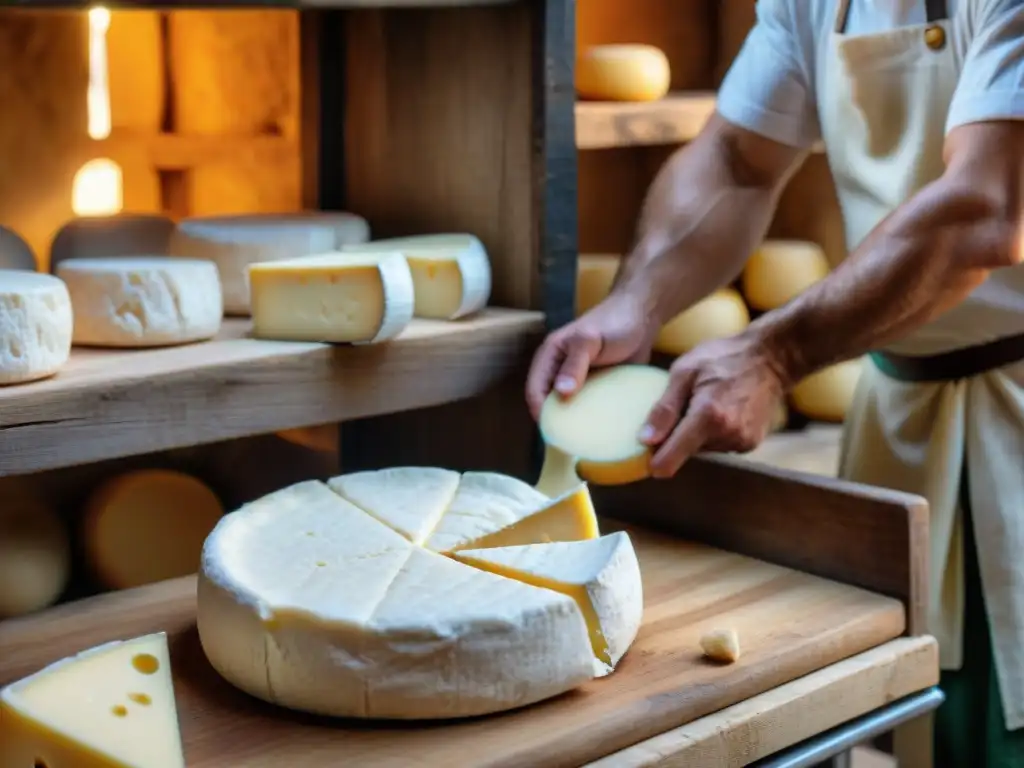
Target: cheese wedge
[[600, 424], [35, 553], [780, 270], [108, 707], [333, 297], [451, 273], [827, 394], [595, 273], [721, 314], [629, 72], [35, 326], [558, 473], [15, 253], [601, 575]]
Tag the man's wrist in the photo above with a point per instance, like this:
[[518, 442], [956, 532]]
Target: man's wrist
[[783, 349]]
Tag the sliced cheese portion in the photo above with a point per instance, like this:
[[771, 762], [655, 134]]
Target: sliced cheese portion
[[108, 707], [601, 575], [104, 237], [147, 526], [558, 473], [143, 301], [15, 253], [595, 273], [333, 297], [721, 314], [35, 553], [780, 270], [451, 273], [827, 394], [626, 72], [35, 326], [410, 500], [600, 424]]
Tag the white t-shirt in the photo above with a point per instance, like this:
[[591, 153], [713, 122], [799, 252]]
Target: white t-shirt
[[771, 87]]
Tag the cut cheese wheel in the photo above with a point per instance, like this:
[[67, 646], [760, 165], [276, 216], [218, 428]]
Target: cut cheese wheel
[[104, 237], [142, 302], [718, 316], [558, 474], [15, 253], [35, 326], [35, 555], [600, 424], [147, 526], [780, 270], [622, 73], [451, 273], [333, 297], [827, 394], [112, 705], [595, 273], [601, 575], [234, 243]]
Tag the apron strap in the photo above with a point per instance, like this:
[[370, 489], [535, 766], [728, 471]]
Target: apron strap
[[935, 10], [963, 363]]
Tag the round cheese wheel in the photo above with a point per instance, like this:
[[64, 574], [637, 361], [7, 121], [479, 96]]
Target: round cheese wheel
[[780, 270], [622, 73], [147, 526], [35, 326], [595, 273], [35, 555], [827, 394], [102, 237], [721, 314], [15, 253]]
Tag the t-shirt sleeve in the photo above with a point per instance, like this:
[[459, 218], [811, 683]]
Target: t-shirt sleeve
[[991, 85], [768, 88]]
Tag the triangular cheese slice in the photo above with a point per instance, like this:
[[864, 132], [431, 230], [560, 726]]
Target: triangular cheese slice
[[108, 707]]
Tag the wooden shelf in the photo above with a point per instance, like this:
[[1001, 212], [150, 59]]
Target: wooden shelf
[[107, 404]]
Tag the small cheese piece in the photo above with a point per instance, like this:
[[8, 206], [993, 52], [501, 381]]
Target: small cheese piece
[[108, 707], [601, 575], [721, 645], [600, 424], [721, 314], [780, 270], [629, 72], [35, 326], [104, 237], [451, 273], [558, 474], [410, 500], [15, 253], [826, 395], [143, 301], [148, 525], [233, 243], [595, 273], [332, 297], [35, 554]]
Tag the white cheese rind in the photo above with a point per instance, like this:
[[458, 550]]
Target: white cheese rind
[[143, 301], [36, 324], [15, 253]]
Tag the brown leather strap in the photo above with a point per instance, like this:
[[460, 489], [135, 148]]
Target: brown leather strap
[[950, 366]]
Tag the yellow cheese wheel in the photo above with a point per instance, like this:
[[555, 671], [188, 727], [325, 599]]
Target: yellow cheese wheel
[[622, 73], [595, 273], [827, 394], [721, 314], [147, 526], [779, 270], [35, 556]]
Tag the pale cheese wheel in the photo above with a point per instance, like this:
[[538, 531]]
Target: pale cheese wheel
[[143, 301], [35, 554], [827, 394], [780, 270], [102, 237], [595, 273], [349, 229], [718, 316], [15, 253], [147, 526], [35, 326], [623, 72]]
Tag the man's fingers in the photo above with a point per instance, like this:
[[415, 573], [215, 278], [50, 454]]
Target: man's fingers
[[686, 440], [546, 362], [580, 349], [666, 412]]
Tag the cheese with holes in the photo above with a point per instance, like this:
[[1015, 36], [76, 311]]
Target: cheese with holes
[[827, 394], [15, 253], [309, 602], [142, 302], [779, 270], [146, 526], [595, 273], [108, 707], [35, 554], [721, 314], [451, 273], [558, 473], [600, 425], [601, 575], [36, 324], [333, 297], [624, 72]]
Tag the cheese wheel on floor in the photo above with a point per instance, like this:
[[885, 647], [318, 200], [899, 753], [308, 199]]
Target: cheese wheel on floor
[[595, 273], [600, 425], [143, 301], [36, 324], [718, 316], [35, 554], [147, 526], [451, 273], [622, 73], [827, 394], [15, 253], [104, 237], [333, 297], [780, 270]]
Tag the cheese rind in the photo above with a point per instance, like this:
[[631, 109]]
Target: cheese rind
[[595, 273], [827, 394], [349, 229], [780, 270], [107, 707], [104, 237], [36, 324], [721, 314], [15, 253], [624, 72], [142, 301], [35, 553]]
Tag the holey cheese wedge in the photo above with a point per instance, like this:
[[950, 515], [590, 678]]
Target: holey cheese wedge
[[600, 424], [108, 707], [332, 297], [35, 326]]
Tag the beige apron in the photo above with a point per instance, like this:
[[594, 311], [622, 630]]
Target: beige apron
[[883, 104]]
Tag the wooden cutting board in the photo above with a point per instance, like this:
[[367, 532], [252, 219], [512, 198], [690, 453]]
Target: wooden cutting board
[[789, 624]]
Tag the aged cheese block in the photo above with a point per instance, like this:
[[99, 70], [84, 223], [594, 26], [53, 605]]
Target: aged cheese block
[[101, 237], [780, 270], [595, 273], [35, 326], [721, 314], [143, 301], [35, 555], [622, 73], [109, 706], [827, 394], [15, 253]]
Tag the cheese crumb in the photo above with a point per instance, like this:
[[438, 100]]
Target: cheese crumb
[[721, 645]]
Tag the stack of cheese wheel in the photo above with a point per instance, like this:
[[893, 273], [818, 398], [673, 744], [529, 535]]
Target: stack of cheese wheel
[[36, 324], [415, 593], [630, 72], [595, 274], [15, 253]]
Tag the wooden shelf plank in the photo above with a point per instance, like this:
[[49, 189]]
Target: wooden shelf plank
[[106, 404]]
